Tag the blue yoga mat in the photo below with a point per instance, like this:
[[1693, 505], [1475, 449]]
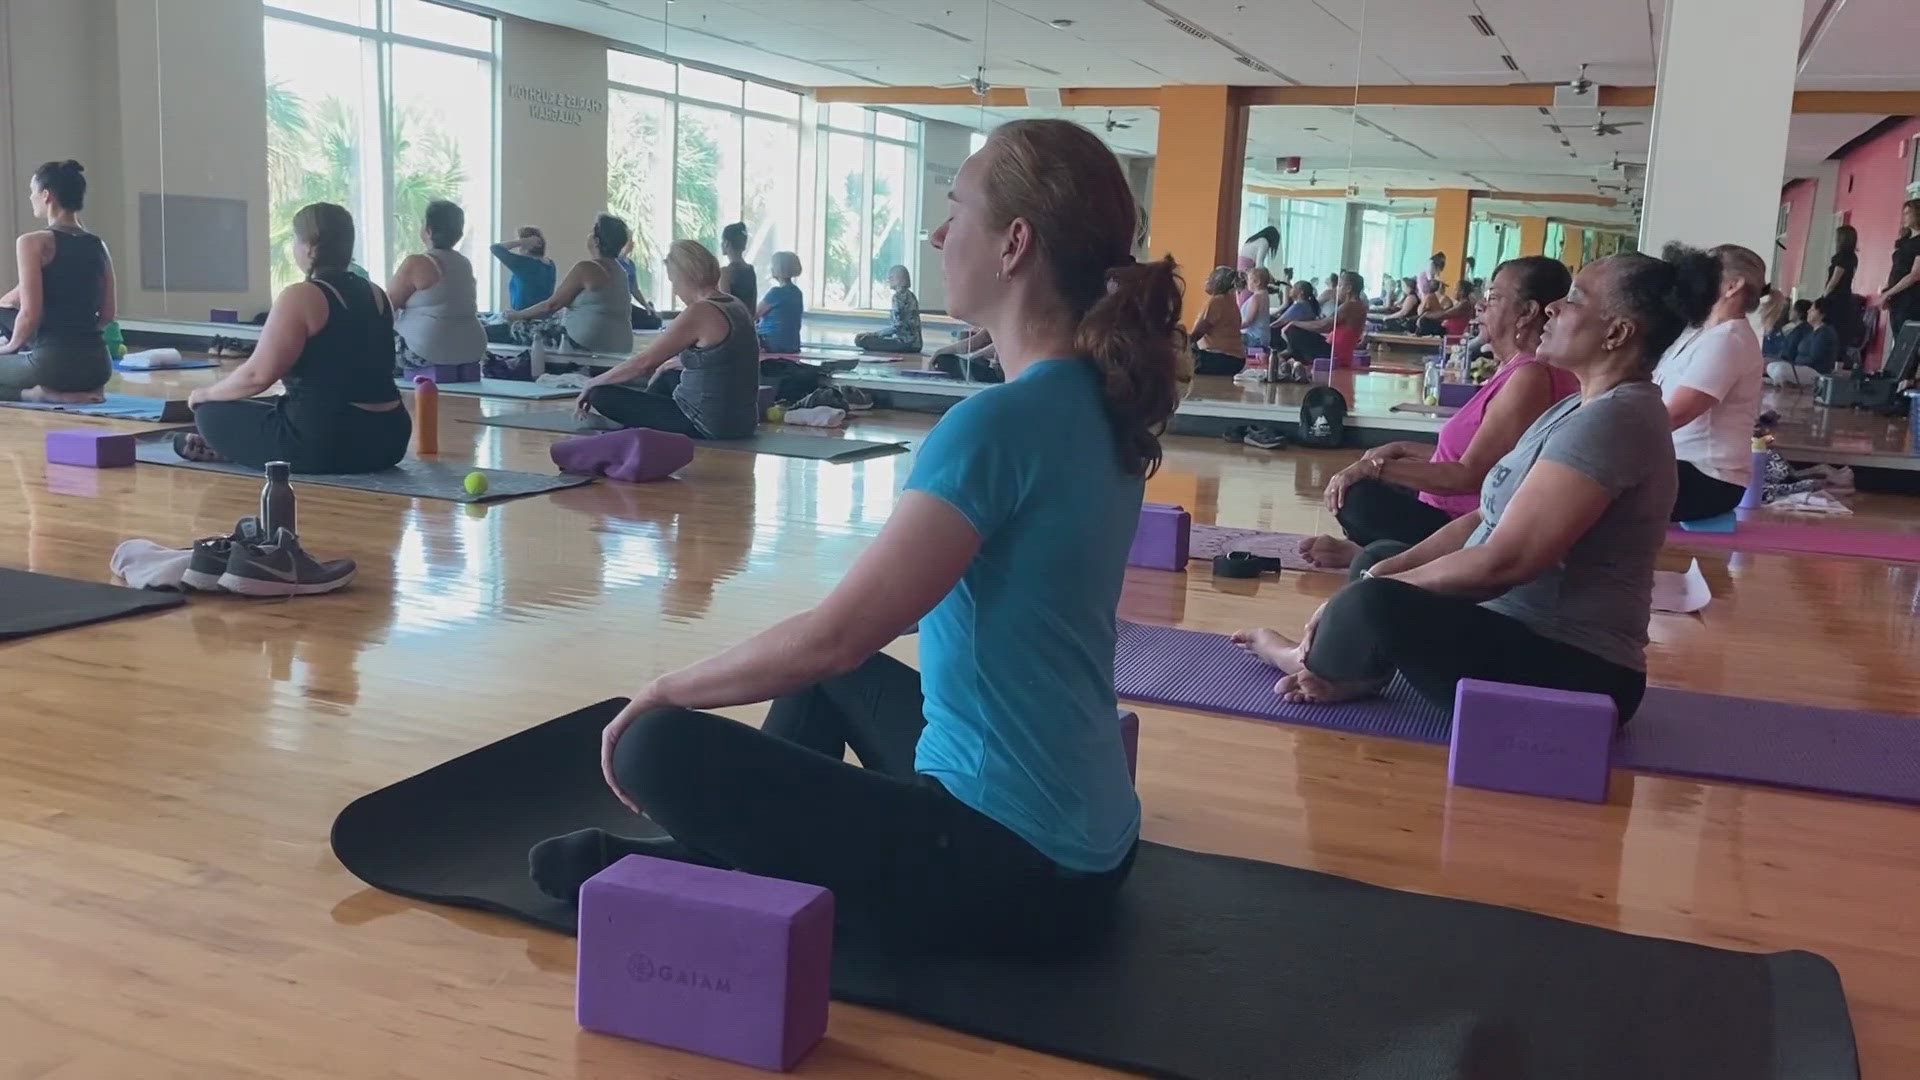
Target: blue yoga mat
[[185, 364], [1676, 732], [1725, 523], [120, 407]]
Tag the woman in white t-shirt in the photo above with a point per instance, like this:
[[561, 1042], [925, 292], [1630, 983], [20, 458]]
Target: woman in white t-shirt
[[1710, 380]]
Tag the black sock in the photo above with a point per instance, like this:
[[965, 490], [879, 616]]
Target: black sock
[[560, 865]]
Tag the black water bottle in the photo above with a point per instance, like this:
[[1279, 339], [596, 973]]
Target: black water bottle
[[276, 501]]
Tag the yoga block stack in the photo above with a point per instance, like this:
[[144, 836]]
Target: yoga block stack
[[1130, 738], [1531, 740], [1160, 542], [636, 455], [718, 962], [89, 447]]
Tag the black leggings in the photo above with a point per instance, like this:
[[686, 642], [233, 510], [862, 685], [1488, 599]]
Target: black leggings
[[1209, 362], [1376, 510], [978, 369], [1376, 626], [1700, 496], [1305, 345], [339, 438], [903, 857], [653, 407], [887, 343]]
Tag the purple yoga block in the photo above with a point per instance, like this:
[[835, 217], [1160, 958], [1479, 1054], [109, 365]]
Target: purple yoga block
[[766, 400], [636, 455], [91, 448], [223, 315], [1160, 542], [718, 962], [1130, 738], [1323, 366], [1528, 739], [1454, 395]]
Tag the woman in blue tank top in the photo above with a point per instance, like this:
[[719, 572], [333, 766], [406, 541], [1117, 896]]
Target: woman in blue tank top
[[992, 807], [52, 342]]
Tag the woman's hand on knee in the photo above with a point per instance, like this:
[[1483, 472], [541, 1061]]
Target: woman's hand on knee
[[610, 737], [1342, 480]]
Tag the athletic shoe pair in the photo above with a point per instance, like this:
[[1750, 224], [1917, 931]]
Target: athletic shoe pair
[[1260, 436], [252, 564], [229, 348], [844, 398]]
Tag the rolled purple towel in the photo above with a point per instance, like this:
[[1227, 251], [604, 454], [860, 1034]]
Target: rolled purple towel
[[632, 454]]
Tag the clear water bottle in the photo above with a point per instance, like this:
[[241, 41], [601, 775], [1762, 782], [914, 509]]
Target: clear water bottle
[[276, 501], [537, 357]]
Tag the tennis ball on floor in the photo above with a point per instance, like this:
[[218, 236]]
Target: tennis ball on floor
[[476, 483], [775, 414]]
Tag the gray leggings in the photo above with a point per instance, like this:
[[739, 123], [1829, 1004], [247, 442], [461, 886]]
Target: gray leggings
[[68, 371]]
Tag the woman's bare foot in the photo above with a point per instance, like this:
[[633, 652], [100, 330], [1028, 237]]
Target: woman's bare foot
[[43, 396], [189, 445], [1272, 646], [1329, 552], [1304, 687]]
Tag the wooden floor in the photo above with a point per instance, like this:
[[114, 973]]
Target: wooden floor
[[169, 907]]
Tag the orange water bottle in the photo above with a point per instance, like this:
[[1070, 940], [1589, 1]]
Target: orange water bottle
[[426, 421]]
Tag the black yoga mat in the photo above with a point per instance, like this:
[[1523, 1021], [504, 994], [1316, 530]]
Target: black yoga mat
[[33, 603], [1219, 968], [823, 447], [412, 478]]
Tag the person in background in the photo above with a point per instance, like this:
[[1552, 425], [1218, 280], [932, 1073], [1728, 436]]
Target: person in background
[[644, 317], [1218, 348], [1466, 270], [1256, 309], [1781, 340], [972, 358], [713, 389], [1332, 292], [436, 313], [1814, 352], [1433, 304], [1336, 333], [329, 340], [1407, 491], [1285, 281], [1901, 297], [1403, 310], [902, 334], [737, 276], [1848, 319], [1435, 273], [530, 274], [592, 300], [55, 347], [1455, 318], [1260, 247], [782, 308], [1549, 581], [1303, 304], [1710, 379]]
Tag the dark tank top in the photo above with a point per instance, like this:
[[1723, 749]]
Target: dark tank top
[[745, 282], [71, 285], [351, 359]]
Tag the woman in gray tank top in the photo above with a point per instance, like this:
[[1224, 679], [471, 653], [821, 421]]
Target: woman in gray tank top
[[436, 312], [592, 299], [52, 345], [704, 367]]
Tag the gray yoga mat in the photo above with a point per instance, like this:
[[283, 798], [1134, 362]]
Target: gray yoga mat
[[33, 603], [836, 449], [1216, 968], [120, 407], [412, 478], [499, 388]]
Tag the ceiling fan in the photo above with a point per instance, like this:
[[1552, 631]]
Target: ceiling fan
[[1579, 84], [1117, 125], [1602, 129]]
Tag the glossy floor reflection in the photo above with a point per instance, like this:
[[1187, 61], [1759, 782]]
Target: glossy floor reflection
[[171, 909]]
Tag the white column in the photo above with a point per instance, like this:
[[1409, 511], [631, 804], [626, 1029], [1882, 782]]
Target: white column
[[1723, 100]]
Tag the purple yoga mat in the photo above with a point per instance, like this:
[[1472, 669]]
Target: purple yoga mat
[[1207, 541], [1676, 732], [1761, 534]]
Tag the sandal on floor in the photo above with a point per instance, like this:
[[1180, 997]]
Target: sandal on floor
[[190, 446]]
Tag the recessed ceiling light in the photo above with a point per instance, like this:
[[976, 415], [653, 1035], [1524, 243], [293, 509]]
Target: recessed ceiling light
[[1060, 24]]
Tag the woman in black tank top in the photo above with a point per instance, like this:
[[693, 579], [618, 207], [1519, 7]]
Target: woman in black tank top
[[329, 340], [737, 276], [52, 347]]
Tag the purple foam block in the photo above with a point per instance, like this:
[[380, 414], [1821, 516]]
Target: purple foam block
[[1323, 366], [636, 455], [91, 448], [1160, 542], [1755, 494], [718, 962], [1535, 741], [223, 315], [445, 373], [1454, 395], [1130, 738], [766, 399]]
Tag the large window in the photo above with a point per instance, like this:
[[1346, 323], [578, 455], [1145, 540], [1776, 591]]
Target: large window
[[690, 151], [869, 184], [381, 106]]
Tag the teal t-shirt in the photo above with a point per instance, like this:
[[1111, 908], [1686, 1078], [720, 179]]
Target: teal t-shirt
[[1017, 661]]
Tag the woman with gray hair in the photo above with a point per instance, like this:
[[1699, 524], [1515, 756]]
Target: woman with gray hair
[[1711, 380]]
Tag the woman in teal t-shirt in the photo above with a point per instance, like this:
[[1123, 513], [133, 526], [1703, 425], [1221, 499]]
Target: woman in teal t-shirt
[[992, 807]]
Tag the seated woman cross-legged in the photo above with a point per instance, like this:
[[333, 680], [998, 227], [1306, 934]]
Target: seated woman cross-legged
[[1407, 491], [329, 339], [704, 368], [53, 346], [991, 810], [1550, 583], [1711, 380], [593, 299], [436, 314], [1218, 347], [1337, 333]]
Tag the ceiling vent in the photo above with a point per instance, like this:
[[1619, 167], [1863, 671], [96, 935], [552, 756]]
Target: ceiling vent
[[1188, 28], [1481, 24], [1508, 60]]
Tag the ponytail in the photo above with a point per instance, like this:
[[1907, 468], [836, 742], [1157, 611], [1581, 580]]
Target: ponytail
[[1664, 296], [1134, 336]]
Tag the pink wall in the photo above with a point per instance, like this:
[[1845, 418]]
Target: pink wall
[[1877, 175], [1798, 198]]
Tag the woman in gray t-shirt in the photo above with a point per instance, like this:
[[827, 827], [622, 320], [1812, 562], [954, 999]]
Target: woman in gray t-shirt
[[1550, 582]]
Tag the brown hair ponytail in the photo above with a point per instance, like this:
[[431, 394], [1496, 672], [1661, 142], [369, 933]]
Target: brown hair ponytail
[[1064, 182]]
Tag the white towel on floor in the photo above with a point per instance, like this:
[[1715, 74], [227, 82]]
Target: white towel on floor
[[143, 564], [1810, 502], [817, 416]]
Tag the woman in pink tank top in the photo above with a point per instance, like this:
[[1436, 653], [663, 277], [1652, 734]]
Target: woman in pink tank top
[[1407, 491]]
